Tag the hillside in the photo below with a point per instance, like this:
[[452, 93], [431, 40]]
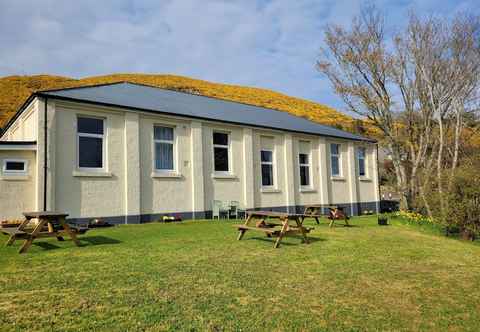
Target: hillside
[[14, 90]]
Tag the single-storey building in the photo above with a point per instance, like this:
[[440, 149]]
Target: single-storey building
[[131, 153]]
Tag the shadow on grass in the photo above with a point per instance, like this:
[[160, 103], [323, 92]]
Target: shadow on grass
[[85, 241], [46, 245], [98, 240], [272, 240]]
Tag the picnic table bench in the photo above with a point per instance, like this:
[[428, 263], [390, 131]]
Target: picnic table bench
[[264, 221], [334, 213], [50, 224]]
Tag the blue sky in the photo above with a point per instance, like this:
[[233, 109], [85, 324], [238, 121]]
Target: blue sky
[[270, 44]]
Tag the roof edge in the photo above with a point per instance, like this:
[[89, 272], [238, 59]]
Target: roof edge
[[82, 87]]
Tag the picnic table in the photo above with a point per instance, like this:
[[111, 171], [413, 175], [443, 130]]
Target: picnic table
[[313, 211], [264, 221], [334, 213], [337, 213], [50, 224]]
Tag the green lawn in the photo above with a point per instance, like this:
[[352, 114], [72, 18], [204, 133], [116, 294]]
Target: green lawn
[[196, 276]]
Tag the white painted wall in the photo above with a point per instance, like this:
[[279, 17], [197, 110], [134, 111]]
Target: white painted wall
[[17, 192], [130, 187], [83, 194], [25, 127]]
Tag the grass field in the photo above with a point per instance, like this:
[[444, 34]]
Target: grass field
[[196, 276]]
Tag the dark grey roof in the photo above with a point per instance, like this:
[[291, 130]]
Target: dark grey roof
[[152, 99]]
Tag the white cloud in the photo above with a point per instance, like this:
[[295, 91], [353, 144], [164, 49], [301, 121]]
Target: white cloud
[[271, 44]]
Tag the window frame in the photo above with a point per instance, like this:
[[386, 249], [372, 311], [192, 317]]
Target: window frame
[[339, 157], [15, 172], [309, 168], [154, 150], [104, 145], [364, 158], [272, 163], [229, 171]]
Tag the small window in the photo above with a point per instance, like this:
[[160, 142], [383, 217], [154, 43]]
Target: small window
[[335, 159], [164, 148], [90, 143], [267, 167], [361, 156], [16, 166], [221, 152], [304, 161]]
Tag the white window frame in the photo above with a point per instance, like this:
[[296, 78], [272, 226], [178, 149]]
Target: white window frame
[[104, 145], [229, 152], [309, 166], [364, 161], [272, 163], [15, 172], [173, 142], [339, 156]]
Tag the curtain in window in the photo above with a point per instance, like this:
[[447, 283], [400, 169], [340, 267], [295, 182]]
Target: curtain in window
[[335, 166], [163, 133], [361, 161], [164, 156]]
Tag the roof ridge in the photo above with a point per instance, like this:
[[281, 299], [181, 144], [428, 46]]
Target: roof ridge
[[81, 87]]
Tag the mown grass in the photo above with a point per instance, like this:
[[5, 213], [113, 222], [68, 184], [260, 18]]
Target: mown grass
[[196, 276]]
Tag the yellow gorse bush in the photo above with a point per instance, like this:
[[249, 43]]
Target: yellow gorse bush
[[14, 90]]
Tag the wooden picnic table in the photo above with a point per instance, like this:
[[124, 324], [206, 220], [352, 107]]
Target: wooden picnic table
[[335, 213], [313, 211], [50, 224], [263, 221]]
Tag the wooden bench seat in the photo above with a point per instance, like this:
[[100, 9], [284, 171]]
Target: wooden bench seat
[[268, 230], [12, 231]]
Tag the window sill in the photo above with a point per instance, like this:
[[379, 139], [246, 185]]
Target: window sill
[[270, 190], [159, 175], [337, 178], [8, 177], [224, 176], [308, 190], [364, 179], [92, 174]]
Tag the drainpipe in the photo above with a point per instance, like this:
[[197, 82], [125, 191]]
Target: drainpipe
[[378, 183], [45, 141]]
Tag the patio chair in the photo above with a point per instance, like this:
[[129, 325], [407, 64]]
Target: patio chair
[[235, 210], [219, 210]]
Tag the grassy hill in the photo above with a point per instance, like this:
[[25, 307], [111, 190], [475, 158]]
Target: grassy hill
[[14, 90]]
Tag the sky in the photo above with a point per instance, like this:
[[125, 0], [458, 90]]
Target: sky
[[270, 44]]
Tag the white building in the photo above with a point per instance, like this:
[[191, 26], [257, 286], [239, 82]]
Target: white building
[[130, 153]]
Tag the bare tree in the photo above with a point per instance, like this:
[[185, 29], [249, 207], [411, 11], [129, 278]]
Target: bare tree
[[416, 88]]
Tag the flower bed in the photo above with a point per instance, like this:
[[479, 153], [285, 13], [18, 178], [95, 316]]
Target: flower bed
[[413, 217]]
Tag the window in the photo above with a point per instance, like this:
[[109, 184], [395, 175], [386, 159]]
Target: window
[[90, 143], [266, 159], [164, 148], [221, 152], [335, 159], [361, 153], [304, 162], [14, 166]]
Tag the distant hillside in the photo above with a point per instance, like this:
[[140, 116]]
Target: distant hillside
[[14, 90]]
